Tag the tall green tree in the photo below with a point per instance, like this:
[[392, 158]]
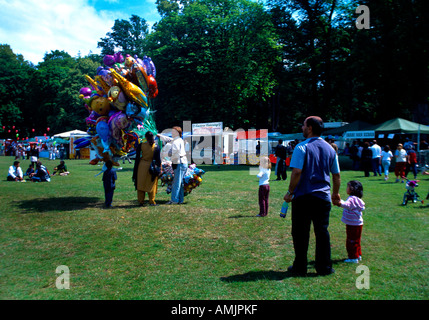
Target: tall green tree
[[215, 62], [126, 36], [56, 93], [340, 72], [391, 60], [314, 35], [15, 79]]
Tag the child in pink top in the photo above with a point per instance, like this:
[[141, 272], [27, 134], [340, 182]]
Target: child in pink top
[[352, 217]]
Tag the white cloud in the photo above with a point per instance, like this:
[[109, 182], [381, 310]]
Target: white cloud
[[35, 27]]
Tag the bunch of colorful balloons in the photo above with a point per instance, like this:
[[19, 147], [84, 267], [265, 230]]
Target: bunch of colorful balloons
[[192, 179], [119, 105]]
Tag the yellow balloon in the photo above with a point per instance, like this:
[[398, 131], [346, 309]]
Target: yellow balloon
[[132, 91]]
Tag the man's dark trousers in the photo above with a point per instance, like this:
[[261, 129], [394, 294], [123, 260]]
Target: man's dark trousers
[[307, 209]]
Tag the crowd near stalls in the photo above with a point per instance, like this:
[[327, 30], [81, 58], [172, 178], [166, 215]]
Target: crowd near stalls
[[31, 158]]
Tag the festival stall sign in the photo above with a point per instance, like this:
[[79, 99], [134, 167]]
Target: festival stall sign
[[209, 128], [367, 134], [351, 130]]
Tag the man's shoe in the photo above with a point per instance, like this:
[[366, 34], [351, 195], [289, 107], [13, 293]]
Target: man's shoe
[[326, 272], [294, 271]]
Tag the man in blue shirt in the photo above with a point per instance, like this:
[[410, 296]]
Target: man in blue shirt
[[313, 160]]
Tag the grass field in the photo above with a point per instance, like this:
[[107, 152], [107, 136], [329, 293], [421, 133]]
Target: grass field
[[212, 247]]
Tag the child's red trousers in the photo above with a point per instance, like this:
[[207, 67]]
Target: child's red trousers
[[353, 247]]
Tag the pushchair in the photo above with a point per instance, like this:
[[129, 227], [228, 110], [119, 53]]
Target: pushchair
[[411, 194]]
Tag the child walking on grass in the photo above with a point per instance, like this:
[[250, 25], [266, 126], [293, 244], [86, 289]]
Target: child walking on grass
[[352, 217], [109, 178], [264, 185]]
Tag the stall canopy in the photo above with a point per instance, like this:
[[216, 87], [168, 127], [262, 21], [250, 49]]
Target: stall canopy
[[354, 126], [68, 133], [399, 125], [285, 137]]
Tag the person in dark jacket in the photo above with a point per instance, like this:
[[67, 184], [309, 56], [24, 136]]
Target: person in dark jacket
[[281, 161], [41, 174], [109, 183], [366, 159]]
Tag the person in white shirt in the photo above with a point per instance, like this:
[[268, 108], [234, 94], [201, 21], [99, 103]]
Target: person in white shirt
[[15, 172], [385, 160], [179, 161], [401, 163], [264, 185], [376, 155]]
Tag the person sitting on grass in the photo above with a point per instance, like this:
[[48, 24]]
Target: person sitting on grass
[[61, 169], [15, 172], [41, 174], [30, 170]]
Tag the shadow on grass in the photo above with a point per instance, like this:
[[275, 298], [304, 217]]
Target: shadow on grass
[[272, 275], [264, 275], [56, 204], [243, 216]]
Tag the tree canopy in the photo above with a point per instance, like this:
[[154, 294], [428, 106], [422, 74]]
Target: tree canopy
[[245, 64]]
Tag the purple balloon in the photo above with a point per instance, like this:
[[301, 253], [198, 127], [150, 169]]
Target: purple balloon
[[109, 60], [149, 66], [119, 58], [85, 91]]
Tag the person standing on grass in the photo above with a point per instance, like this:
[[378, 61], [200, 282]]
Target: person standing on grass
[[33, 154], [109, 183], [401, 163], [366, 159], [281, 161], [313, 160], [179, 161], [411, 161], [144, 181], [385, 160], [264, 185], [352, 217], [376, 155]]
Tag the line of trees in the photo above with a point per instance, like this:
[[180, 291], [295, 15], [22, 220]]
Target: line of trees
[[245, 64]]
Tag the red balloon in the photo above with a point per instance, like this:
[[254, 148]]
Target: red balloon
[[48, 129], [153, 87], [13, 127], [32, 130]]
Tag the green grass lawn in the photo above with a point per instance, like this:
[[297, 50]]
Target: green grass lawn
[[212, 247]]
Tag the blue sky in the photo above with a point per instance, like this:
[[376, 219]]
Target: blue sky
[[35, 27]]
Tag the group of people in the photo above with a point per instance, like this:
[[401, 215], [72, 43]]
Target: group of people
[[21, 151], [36, 171], [313, 162], [148, 168], [370, 157]]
